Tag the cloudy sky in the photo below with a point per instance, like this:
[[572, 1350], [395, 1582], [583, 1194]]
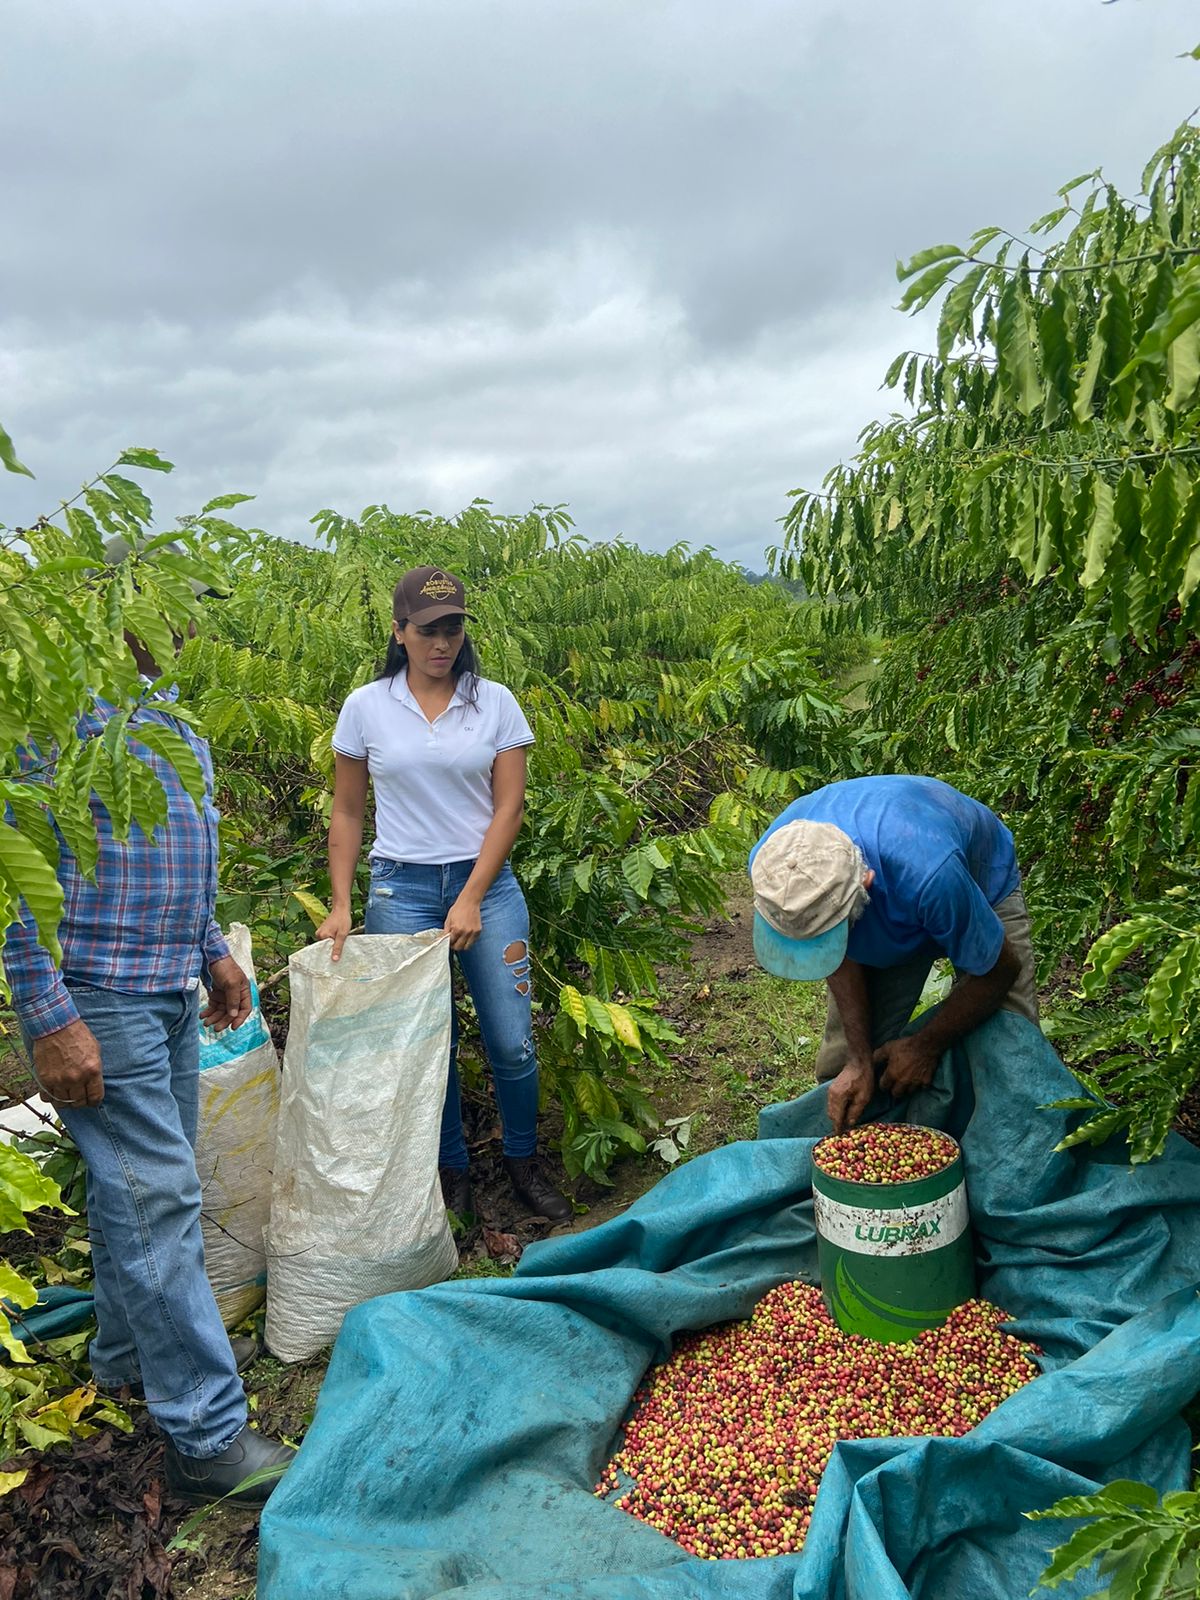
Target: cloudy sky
[[635, 255]]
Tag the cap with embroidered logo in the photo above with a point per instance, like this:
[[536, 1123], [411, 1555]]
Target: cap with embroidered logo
[[427, 593]]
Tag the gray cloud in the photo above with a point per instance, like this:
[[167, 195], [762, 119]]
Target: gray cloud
[[627, 254]]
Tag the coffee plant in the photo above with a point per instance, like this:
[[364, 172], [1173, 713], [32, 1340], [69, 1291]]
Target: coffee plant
[[1027, 533], [675, 707], [1147, 1547], [64, 615]]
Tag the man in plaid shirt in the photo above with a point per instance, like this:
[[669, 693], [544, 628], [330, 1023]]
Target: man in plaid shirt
[[114, 1040]]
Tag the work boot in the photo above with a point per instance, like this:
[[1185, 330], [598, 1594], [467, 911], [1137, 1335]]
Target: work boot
[[533, 1189], [218, 1477], [245, 1352], [456, 1191]]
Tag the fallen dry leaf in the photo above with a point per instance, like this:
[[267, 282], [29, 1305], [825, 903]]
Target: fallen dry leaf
[[502, 1247]]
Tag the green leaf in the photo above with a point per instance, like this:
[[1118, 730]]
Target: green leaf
[[1014, 348], [1084, 177], [174, 749], [638, 871], [1082, 1549], [11, 1345], [957, 310], [1183, 370], [1158, 522], [147, 624], [16, 1289], [150, 459], [1181, 314], [1057, 354], [1114, 947], [1023, 535], [571, 1001], [1174, 989], [598, 1016], [1101, 535], [927, 258], [1093, 366], [1158, 1566], [922, 290], [27, 875], [224, 501], [1129, 1492], [892, 376], [8, 456], [130, 495], [1191, 575], [25, 1184]]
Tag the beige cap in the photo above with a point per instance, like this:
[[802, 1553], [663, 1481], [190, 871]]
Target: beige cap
[[806, 877]]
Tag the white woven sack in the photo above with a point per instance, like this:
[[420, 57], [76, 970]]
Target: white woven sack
[[235, 1148], [356, 1209]]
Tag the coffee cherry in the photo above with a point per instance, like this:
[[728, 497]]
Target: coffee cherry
[[885, 1152], [729, 1438]]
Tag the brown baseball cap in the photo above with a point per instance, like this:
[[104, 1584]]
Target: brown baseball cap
[[427, 593]]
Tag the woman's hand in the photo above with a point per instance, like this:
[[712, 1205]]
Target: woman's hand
[[464, 922], [337, 927]]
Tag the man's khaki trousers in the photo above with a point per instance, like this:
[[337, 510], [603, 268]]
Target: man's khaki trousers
[[893, 992]]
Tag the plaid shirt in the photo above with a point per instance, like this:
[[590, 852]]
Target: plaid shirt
[[146, 924]]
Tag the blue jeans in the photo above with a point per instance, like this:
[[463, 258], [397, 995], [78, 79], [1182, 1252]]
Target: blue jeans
[[156, 1319], [408, 898]]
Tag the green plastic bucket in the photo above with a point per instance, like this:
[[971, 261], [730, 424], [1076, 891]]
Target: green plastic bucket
[[894, 1258]]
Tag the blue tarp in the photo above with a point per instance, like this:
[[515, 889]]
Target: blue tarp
[[59, 1311], [461, 1428]]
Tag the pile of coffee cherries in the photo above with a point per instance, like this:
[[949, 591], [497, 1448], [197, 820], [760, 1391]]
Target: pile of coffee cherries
[[885, 1152], [729, 1438]]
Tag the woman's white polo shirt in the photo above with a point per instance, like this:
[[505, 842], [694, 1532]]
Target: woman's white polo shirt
[[433, 781]]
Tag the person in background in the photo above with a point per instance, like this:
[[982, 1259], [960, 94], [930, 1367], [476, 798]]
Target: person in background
[[445, 750], [865, 884], [114, 1040]]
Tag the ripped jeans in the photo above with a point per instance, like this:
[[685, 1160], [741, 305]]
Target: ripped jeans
[[407, 898]]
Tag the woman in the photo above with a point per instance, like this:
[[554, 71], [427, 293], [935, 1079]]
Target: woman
[[445, 750]]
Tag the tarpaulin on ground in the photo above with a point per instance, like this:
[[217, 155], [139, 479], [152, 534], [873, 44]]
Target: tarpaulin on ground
[[461, 1428]]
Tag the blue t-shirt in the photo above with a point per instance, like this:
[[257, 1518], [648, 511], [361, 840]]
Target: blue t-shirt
[[941, 862]]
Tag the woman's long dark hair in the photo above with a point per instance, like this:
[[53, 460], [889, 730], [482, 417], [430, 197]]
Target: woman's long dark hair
[[465, 668]]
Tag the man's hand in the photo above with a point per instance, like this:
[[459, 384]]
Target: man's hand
[[464, 922], [909, 1064], [229, 1000], [67, 1065], [850, 1094], [337, 927]]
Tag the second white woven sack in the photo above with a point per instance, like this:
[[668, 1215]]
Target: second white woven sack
[[356, 1209]]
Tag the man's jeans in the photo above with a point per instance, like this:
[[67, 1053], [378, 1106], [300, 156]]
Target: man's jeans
[[893, 992], [407, 898], [156, 1317]]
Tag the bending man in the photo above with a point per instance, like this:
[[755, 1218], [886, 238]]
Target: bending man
[[865, 883]]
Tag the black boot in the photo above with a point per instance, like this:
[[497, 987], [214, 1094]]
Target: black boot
[[533, 1189], [456, 1191], [217, 1477]]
